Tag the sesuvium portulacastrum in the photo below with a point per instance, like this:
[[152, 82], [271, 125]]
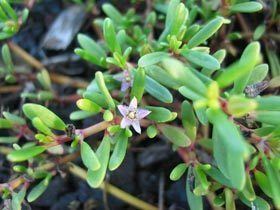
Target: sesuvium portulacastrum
[[177, 72], [132, 115]]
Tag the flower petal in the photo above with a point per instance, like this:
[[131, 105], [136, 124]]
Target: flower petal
[[125, 85], [136, 125], [125, 122], [141, 113], [123, 110], [133, 104]]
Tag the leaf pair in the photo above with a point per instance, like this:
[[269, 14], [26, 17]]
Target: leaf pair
[[96, 177], [239, 73], [50, 119], [91, 51]]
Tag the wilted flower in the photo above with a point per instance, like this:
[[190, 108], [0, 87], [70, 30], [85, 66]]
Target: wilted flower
[[132, 115], [126, 79]]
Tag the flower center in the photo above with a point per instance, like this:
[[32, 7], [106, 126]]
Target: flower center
[[131, 115]]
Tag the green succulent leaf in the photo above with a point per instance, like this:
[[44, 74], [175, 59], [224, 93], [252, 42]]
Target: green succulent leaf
[[220, 56], [159, 114], [18, 198], [44, 78], [89, 157], [230, 204], [259, 32], [243, 67], [179, 20], [8, 139], [4, 123], [102, 87], [40, 126], [25, 153], [9, 10], [46, 116], [217, 175], [194, 201], [110, 36], [268, 103], [96, 97], [183, 75], [138, 86], [160, 75], [273, 179], [229, 155], [205, 32], [88, 106], [263, 182], [258, 74], [157, 90], [189, 120], [112, 12], [95, 178], [169, 18], [248, 190], [39, 189], [80, 115], [246, 7], [91, 46], [201, 59], [152, 131], [152, 58], [178, 172], [175, 135], [119, 151], [269, 117], [7, 58]]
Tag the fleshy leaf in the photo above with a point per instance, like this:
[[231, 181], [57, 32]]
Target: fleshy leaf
[[89, 158], [138, 84], [273, 179], [206, 32], [175, 135], [246, 7], [39, 189], [110, 36], [237, 70], [194, 201], [152, 58], [201, 59], [95, 178], [178, 171], [25, 153], [119, 151], [88, 106], [46, 116], [157, 90], [102, 87], [189, 120], [159, 114], [229, 155]]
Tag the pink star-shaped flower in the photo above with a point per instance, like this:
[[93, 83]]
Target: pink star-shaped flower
[[132, 115]]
